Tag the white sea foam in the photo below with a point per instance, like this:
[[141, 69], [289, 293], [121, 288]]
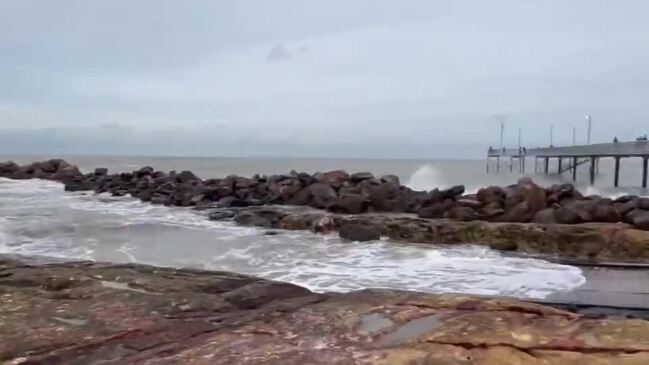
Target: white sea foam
[[38, 218]]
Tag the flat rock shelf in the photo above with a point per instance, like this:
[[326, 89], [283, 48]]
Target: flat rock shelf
[[86, 312]]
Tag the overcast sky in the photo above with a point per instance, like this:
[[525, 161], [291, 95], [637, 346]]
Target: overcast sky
[[361, 78]]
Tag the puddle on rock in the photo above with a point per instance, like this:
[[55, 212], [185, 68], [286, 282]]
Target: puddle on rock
[[373, 323], [412, 329], [71, 321], [123, 286]]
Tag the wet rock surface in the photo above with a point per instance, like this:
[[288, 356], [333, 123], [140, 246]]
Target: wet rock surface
[[91, 313], [586, 242], [340, 192]]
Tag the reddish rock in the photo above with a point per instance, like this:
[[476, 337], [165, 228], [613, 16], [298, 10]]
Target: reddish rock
[[335, 178], [518, 213], [492, 194]]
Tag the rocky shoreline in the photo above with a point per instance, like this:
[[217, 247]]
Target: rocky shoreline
[[87, 312], [522, 217]]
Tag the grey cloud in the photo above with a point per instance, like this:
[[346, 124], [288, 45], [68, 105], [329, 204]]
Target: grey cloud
[[365, 77], [278, 53]]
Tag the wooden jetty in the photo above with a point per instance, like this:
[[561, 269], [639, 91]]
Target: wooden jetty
[[575, 156]]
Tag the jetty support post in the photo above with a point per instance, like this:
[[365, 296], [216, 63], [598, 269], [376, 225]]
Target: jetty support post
[[547, 165], [617, 172], [644, 171], [574, 168], [593, 161], [497, 163], [559, 161]]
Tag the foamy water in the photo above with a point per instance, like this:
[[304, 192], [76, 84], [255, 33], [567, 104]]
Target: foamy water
[[39, 218]]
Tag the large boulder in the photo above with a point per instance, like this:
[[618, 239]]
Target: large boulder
[[391, 179], [464, 214], [433, 197], [568, 215], [66, 173], [359, 232], [8, 167], [643, 203], [641, 220], [626, 206], [334, 178], [607, 214], [559, 192], [518, 213], [491, 194], [382, 196], [322, 195], [101, 171], [545, 216], [288, 188], [360, 176], [302, 197], [144, 171], [186, 177], [267, 218], [492, 210], [350, 204], [630, 216], [437, 210], [453, 192], [534, 195]]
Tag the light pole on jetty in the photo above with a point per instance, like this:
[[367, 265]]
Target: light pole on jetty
[[589, 118]]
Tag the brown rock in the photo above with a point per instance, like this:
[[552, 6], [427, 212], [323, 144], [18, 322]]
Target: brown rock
[[453, 192], [435, 211], [302, 197], [391, 179], [470, 203], [492, 194], [359, 232], [360, 176], [643, 203], [518, 213], [607, 213], [641, 220], [626, 206], [322, 195], [463, 214], [567, 215], [492, 210], [545, 216], [335, 178], [350, 204]]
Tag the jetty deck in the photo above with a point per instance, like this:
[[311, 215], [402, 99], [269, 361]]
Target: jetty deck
[[576, 156]]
